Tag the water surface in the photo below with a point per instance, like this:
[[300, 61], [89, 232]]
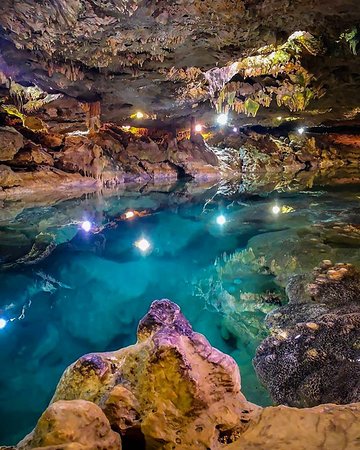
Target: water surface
[[65, 292]]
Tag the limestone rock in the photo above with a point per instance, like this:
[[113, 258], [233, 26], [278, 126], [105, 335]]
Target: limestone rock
[[185, 394], [313, 355], [10, 143], [8, 178], [32, 155], [327, 427], [72, 425], [43, 180]]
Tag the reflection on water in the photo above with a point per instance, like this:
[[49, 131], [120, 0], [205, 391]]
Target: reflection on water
[[77, 275]]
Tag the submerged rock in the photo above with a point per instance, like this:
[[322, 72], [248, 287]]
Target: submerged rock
[[172, 390], [313, 355]]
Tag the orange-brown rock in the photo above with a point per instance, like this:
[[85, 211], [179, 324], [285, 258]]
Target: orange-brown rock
[[330, 427], [10, 143], [72, 425], [32, 155], [19, 184]]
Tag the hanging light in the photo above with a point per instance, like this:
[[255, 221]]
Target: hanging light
[[222, 119], [275, 209]]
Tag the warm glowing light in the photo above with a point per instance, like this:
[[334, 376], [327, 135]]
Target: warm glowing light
[[139, 115], [86, 226], [222, 119], [235, 129], [279, 118], [276, 209], [126, 127], [143, 244], [198, 128], [221, 220], [3, 323], [129, 214], [300, 130]]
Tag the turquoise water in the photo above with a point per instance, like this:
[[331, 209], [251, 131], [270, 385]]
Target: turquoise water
[[224, 258]]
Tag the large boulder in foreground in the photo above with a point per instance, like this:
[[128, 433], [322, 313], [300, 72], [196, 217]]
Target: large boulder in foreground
[[171, 389], [313, 354], [74, 425]]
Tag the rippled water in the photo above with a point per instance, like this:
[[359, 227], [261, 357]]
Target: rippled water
[[217, 256]]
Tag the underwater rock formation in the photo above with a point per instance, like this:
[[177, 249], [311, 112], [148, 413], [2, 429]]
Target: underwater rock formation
[[172, 390], [313, 354]]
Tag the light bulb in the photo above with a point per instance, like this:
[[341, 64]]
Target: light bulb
[[198, 127], [139, 115], [86, 226], [129, 214], [301, 130], [143, 244], [276, 209], [3, 323], [221, 220], [222, 119]]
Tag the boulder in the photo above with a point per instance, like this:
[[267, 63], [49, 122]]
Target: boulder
[[31, 156], [10, 143], [72, 425], [329, 427], [172, 386], [8, 178], [313, 354], [194, 159]]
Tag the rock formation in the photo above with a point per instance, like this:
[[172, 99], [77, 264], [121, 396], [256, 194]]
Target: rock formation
[[172, 390], [172, 60], [313, 354]]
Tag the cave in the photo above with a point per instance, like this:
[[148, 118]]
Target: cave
[[179, 224]]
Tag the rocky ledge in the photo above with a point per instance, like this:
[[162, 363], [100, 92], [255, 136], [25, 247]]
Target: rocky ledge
[[34, 162], [172, 390], [313, 354]]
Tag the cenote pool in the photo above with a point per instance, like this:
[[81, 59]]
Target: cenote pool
[[78, 274]]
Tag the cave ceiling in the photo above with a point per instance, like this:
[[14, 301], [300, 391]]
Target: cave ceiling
[[258, 59]]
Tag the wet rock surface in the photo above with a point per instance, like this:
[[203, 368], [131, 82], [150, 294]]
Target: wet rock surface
[[172, 390], [313, 354]]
